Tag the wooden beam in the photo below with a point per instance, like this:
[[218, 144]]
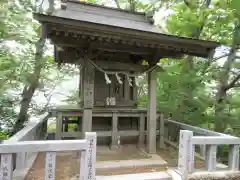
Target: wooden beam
[[115, 47], [77, 42], [114, 65]]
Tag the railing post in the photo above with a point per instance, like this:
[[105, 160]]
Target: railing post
[[161, 131], [21, 160], [233, 157], [211, 157], [44, 129], [186, 153], [141, 137], [50, 165], [59, 121], [6, 170], [166, 130], [91, 138], [202, 151]]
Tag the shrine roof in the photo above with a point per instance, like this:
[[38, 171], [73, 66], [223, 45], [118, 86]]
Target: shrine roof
[[117, 26], [107, 16]]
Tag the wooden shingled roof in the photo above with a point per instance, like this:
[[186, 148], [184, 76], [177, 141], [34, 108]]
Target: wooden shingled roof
[[79, 25]]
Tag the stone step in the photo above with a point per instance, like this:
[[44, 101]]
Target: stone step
[[140, 176], [109, 168], [154, 162]]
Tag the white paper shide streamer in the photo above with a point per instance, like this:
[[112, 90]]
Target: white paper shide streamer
[[118, 79], [108, 81], [129, 80]]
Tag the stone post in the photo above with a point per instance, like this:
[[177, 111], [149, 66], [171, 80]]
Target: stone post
[[186, 153]]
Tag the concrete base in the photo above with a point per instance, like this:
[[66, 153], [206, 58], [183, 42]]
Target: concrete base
[[218, 175], [115, 147], [140, 176], [164, 175]]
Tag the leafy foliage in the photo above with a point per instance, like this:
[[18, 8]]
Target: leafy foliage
[[204, 93]]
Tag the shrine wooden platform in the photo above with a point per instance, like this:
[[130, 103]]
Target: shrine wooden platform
[[128, 125]]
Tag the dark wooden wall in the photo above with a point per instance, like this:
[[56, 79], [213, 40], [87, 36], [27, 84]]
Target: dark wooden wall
[[123, 93]]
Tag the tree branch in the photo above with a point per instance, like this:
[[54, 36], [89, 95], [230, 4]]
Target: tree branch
[[222, 56], [237, 85], [233, 83]]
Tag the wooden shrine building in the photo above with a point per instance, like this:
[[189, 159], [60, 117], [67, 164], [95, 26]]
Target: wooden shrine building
[[111, 45]]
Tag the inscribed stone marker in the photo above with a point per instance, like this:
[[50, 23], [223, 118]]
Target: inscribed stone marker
[[6, 167], [50, 165], [91, 155]]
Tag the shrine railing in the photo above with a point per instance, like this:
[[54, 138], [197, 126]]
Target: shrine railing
[[86, 146], [33, 131], [171, 138], [186, 158]]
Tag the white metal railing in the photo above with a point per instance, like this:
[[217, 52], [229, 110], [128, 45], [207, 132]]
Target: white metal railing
[[187, 144], [87, 147]]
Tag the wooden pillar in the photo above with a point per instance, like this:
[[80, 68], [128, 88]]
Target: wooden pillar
[[126, 89], [88, 96], [59, 124], [114, 143], [141, 136], [134, 90], [66, 121], [152, 112], [80, 86]]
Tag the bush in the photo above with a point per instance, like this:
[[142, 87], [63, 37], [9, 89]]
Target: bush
[[3, 135]]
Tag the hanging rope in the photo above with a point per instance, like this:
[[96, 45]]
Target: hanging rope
[[128, 75], [120, 72]]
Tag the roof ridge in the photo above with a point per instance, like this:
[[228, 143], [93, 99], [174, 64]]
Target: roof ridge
[[105, 7]]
